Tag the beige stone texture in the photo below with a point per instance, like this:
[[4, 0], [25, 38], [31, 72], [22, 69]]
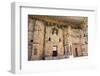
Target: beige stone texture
[[53, 41]]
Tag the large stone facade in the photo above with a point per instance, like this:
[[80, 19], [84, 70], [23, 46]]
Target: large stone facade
[[49, 39]]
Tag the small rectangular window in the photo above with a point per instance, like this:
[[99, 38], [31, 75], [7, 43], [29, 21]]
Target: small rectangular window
[[54, 48]]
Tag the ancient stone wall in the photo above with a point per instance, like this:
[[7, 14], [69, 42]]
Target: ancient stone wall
[[46, 41], [53, 39]]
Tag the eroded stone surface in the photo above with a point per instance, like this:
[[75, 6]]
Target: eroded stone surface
[[49, 40]]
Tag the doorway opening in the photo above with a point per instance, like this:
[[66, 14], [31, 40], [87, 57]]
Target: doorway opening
[[76, 52], [54, 53]]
